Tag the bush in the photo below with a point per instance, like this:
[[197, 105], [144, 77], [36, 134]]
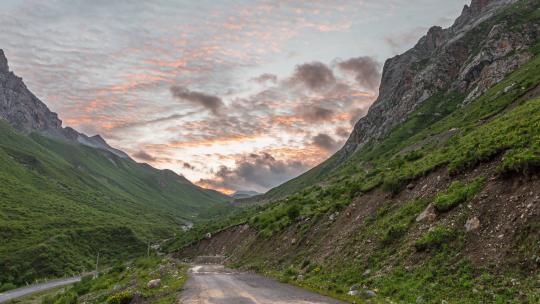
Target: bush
[[393, 184], [293, 212], [123, 297], [435, 238], [456, 194], [7, 286], [395, 232]]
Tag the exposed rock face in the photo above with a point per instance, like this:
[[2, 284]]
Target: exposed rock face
[[26, 113], [20, 107], [446, 59]]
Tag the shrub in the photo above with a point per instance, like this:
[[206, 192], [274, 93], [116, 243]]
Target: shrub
[[456, 194], [393, 184], [435, 238], [123, 297], [291, 272], [293, 212], [395, 232], [7, 286]]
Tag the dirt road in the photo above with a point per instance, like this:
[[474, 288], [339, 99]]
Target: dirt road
[[214, 284]]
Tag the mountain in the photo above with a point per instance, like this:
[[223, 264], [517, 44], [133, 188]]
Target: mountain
[[66, 196], [476, 52], [435, 197], [244, 194]]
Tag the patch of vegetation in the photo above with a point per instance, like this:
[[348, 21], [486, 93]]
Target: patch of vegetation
[[61, 203], [457, 193], [435, 238], [120, 284]]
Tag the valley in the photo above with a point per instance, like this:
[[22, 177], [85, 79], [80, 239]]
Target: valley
[[434, 197]]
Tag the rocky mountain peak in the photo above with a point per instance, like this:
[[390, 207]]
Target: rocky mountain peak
[[477, 6], [464, 58], [4, 68], [26, 113], [434, 38]]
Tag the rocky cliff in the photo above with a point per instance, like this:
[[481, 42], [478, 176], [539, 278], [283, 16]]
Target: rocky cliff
[[26, 113], [477, 51]]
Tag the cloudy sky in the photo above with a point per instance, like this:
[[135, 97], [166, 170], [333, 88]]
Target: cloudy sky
[[234, 95]]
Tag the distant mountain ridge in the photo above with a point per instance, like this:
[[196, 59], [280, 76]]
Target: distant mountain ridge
[[244, 194]]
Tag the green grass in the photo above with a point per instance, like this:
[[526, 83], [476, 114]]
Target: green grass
[[435, 238], [61, 203], [457, 193], [436, 116], [125, 281], [405, 259]]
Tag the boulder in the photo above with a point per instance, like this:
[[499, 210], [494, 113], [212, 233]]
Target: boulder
[[428, 215], [472, 224], [153, 283]]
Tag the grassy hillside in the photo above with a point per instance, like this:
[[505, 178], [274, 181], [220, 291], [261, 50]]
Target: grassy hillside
[[61, 203], [476, 162], [440, 105]]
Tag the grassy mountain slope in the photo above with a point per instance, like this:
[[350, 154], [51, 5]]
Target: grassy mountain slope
[[523, 14], [61, 203], [478, 162]]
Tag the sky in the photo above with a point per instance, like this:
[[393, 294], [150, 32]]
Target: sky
[[234, 95]]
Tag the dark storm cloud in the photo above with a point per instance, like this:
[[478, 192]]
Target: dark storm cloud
[[314, 76], [264, 78], [142, 155], [366, 71], [325, 142], [258, 172], [210, 102]]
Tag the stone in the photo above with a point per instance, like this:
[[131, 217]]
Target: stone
[[428, 215], [208, 235], [153, 283], [472, 224]]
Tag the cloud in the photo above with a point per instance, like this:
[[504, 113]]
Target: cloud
[[366, 71], [210, 102], [188, 166], [343, 132], [144, 156], [258, 172], [315, 113], [314, 76], [326, 142], [264, 78], [356, 114], [398, 42]]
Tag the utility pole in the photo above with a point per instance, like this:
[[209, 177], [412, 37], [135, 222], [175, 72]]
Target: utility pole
[[97, 265]]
